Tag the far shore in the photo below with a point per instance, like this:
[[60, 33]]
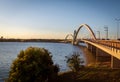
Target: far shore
[[33, 40]]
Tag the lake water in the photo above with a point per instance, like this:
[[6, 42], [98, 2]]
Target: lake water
[[9, 51]]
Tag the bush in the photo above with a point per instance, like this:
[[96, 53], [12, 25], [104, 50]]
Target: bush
[[33, 65], [74, 62]]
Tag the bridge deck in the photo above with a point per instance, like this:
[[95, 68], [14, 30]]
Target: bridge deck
[[112, 50]]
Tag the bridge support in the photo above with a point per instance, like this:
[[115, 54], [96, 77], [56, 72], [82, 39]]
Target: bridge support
[[109, 58], [92, 49], [105, 57], [115, 63]]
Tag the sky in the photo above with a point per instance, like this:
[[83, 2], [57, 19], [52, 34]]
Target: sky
[[54, 19]]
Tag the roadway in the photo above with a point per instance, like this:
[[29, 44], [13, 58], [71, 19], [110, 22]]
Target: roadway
[[110, 47]]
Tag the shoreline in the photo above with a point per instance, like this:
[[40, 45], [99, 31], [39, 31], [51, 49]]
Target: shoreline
[[33, 40]]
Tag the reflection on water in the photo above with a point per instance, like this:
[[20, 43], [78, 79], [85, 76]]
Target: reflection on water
[[102, 59], [89, 57]]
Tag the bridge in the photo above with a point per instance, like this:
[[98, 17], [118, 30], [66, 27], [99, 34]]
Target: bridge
[[110, 47]]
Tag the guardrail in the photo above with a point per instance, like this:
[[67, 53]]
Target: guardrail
[[112, 45]]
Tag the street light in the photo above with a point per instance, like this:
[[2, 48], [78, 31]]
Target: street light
[[117, 27], [106, 29], [98, 35]]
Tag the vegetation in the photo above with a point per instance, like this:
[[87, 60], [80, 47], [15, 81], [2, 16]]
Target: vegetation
[[33, 65], [91, 75], [36, 65], [74, 62]]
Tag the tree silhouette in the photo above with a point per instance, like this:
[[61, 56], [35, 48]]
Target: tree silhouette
[[33, 65], [74, 61]]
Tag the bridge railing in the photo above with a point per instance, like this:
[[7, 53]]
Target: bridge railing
[[112, 45]]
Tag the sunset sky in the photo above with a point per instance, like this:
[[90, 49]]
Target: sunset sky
[[54, 19]]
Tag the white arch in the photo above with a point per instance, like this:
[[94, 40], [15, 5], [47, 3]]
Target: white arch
[[88, 28], [68, 36]]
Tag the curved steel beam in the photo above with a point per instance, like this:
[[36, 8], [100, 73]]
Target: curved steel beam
[[88, 28], [68, 36]]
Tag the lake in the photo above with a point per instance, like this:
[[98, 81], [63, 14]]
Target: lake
[[10, 50]]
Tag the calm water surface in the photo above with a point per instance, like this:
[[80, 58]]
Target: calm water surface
[[9, 51]]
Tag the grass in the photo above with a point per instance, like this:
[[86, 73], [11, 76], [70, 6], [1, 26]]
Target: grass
[[90, 75]]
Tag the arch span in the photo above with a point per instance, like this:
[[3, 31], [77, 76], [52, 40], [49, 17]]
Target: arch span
[[88, 28], [68, 36]]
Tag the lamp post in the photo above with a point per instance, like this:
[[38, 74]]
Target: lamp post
[[98, 35], [106, 29], [117, 27]]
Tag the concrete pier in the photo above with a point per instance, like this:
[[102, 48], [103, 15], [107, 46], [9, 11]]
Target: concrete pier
[[115, 63], [103, 53]]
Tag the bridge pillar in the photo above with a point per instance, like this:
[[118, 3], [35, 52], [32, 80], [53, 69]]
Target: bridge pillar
[[89, 47], [115, 63], [74, 39], [72, 42], [92, 49]]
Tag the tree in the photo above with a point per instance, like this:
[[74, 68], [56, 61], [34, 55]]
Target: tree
[[74, 62], [33, 65]]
